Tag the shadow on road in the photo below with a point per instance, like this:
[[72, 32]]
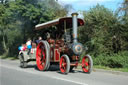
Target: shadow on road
[[51, 68], [31, 66], [55, 68]]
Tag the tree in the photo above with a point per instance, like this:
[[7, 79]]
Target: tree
[[96, 33], [124, 8], [7, 28], [18, 19], [123, 13]]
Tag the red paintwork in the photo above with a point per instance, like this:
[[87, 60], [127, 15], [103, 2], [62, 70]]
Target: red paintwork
[[63, 64], [57, 54], [85, 64], [39, 60]]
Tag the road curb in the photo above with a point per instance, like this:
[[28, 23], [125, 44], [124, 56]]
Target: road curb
[[111, 71]]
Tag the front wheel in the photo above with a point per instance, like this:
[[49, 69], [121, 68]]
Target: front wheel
[[87, 64], [64, 64]]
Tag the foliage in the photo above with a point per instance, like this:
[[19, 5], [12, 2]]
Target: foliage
[[18, 19], [99, 22], [105, 36], [114, 61]]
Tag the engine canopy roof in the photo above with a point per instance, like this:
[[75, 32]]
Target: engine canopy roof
[[60, 22]]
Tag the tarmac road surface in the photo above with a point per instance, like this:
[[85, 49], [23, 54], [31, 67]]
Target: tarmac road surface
[[12, 74]]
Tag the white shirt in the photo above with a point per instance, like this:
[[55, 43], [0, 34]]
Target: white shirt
[[28, 43]]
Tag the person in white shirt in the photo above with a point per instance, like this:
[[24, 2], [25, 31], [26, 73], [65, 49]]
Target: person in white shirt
[[29, 46]]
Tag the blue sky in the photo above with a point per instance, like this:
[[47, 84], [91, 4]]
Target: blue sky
[[86, 4]]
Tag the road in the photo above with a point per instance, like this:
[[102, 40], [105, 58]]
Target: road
[[12, 74]]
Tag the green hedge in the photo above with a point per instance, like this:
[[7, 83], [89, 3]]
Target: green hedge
[[119, 60]]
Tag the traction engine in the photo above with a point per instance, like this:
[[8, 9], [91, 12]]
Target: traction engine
[[64, 49]]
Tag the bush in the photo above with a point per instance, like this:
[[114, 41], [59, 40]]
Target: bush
[[119, 60]]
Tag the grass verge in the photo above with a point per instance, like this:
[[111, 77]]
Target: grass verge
[[5, 57], [111, 69]]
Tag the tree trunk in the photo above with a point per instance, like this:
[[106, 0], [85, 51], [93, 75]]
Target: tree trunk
[[6, 49]]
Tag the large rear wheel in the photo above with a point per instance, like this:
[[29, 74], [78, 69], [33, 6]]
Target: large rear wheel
[[42, 55], [64, 64], [48, 64], [87, 64]]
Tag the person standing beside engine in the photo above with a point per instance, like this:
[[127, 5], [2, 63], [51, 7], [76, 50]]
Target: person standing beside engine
[[39, 39], [29, 46]]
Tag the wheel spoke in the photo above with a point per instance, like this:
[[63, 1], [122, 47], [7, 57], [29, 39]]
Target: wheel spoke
[[64, 64], [86, 63], [39, 54], [64, 68], [86, 70], [63, 60]]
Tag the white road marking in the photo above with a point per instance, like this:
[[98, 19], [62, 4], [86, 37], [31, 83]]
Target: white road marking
[[28, 71], [70, 81]]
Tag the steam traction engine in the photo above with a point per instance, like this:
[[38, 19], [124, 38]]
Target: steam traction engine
[[63, 48]]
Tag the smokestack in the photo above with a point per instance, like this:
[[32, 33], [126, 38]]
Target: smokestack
[[74, 22]]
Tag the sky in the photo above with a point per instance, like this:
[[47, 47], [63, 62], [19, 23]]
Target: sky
[[85, 5]]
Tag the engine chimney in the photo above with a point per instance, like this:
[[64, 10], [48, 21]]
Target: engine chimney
[[74, 22]]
